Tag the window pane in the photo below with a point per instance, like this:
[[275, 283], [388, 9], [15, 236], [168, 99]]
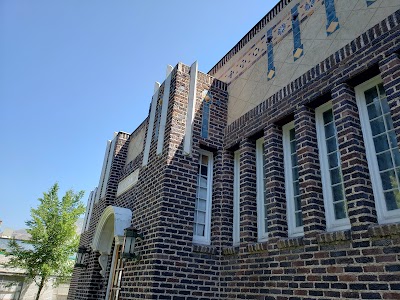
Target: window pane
[[337, 193], [392, 200], [294, 160], [202, 193], [335, 176], [292, 134], [331, 145], [293, 147], [340, 211], [333, 160], [373, 112], [377, 126], [385, 106], [329, 130], [201, 205], [384, 161], [393, 139], [297, 203], [203, 170], [328, 116], [389, 122], [201, 217], [299, 219], [204, 160], [388, 180], [203, 181], [381, 143], [396, 156], [371, 95], [200, 230]]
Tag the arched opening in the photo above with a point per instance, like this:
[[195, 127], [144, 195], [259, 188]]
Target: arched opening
[[109, 229]]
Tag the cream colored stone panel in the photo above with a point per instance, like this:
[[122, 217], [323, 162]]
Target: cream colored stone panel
[[135, 145], [235, 108], [236, 87]]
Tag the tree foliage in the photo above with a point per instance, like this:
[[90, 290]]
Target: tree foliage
[[53, 238]]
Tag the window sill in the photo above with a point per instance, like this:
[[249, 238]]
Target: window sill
[[230, 250], [334, 237], [205, 249], [294, 242], [384, 230]]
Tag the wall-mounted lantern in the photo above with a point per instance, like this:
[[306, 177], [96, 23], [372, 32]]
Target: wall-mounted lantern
[[80, 257], [131, 236]]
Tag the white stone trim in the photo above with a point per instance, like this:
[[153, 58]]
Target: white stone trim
[[236, 199], [103, 170], [108, 168], [261, 216], [88, 214], [164, 110], [187, 146], [151, 124]]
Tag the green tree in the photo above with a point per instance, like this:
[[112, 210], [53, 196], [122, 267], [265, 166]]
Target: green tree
[[53, 239]]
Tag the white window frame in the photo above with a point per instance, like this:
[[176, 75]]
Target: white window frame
[[331, 223], [261, 217], [236, 199], [206, 239], [384, 216], [293, 230]]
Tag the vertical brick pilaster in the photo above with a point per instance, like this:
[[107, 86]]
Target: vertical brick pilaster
[[248, 192], [312, 201], [390, 72], [275, 182], [226, 209], [356, 178]]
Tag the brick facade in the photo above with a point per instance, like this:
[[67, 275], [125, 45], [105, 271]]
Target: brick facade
[[362, 262]]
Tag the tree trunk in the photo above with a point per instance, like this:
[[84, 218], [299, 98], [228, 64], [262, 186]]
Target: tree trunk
[[42, 280]]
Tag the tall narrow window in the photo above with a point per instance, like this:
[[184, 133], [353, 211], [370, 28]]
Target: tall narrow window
[[202, 214], [331, 172], [381, 147], [236, 199], [293, 200], [261, 201]]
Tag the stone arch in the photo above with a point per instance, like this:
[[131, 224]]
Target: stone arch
[[111, 226]]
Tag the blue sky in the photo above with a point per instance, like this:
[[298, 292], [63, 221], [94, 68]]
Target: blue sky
[[72, 72]]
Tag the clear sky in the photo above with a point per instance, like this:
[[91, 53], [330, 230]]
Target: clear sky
[[74, 71]]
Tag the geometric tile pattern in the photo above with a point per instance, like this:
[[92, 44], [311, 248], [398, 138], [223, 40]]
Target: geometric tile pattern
[[261, 47], [332, 23]]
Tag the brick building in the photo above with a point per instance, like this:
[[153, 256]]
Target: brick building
[[273, 176]]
